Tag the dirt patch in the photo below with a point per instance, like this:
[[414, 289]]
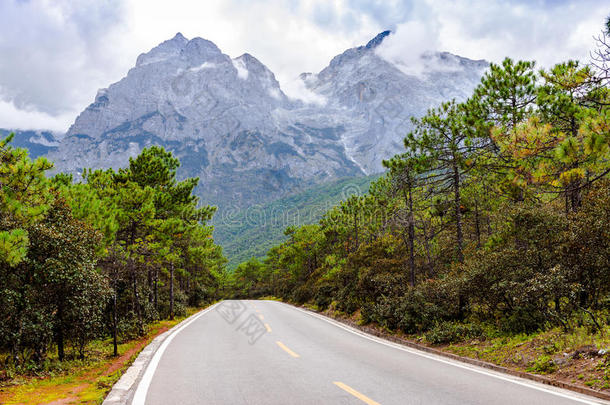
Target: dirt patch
[[120, 361], [69, 392]]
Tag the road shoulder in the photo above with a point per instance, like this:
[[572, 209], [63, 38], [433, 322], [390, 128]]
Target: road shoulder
[[123, 391]]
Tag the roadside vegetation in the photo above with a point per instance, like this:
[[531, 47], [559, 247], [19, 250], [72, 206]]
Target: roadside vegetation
[[90, 268], [491, 229], [82, 381], [573, 357]]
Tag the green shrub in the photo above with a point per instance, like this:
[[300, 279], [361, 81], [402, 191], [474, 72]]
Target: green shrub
[[323, 296], [450, 332], [543, 365], [301, 295]]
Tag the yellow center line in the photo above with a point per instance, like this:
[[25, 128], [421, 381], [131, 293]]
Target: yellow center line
[[262, 317], [268, 327], [287, 350], [355, 393]]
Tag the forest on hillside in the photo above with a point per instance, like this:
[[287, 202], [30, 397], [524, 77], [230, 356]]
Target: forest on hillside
[[495, 217], [98, 259], [251, 232]]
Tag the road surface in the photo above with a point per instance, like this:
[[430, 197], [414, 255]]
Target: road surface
[[265, 352]]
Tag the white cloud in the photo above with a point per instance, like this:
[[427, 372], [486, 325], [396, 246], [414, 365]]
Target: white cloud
[[548, 32], [242, 71], [12, 117], [203, 66], [492, 30], [55, 54], [296, 90], [408, 47]]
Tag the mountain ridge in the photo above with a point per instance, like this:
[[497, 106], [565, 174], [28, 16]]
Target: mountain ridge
[[232, 125]]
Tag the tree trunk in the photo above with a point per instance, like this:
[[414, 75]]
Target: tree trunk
[[136, 298], [60, 345], [458, 213], [115, 344], [59, 335], [171, 291], [410, 234], [458, 230], [156, 288], [427, 248], [132, 268], [356, 228], [150, 285], [477, 222], [575, 192]]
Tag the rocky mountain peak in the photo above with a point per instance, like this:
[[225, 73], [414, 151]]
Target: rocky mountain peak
[[199, 50], [378, 39], [253, 64], [166, 49], [250, 68], [179, 37], [230, 124], [195, 52], [359, 51]]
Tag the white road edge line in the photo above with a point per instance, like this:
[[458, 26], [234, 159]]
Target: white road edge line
[[139, 397], [512, 379]]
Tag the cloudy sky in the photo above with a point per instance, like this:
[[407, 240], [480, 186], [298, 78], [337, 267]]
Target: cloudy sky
[[55, 54]]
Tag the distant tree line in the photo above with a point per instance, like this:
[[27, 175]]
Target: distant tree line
[[497, 213], [100, 258]]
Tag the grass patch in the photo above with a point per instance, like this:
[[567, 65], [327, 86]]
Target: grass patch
[[573, 357], [270, 298]]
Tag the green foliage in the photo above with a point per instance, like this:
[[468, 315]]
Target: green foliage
[[248, 279], [543, 365], [252, 231], [55, 295], [97, 258], [496, 214], [451, 332], [24, 199]]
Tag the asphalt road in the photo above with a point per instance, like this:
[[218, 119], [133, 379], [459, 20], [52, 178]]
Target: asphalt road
[[265, 352]]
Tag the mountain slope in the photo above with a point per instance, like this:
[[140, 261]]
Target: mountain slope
[[224, 118], [382, 95], [253, 231], [231, 124]]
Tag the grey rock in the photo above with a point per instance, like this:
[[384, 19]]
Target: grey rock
[[562, 361]]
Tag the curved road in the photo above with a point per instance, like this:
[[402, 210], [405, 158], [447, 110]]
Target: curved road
[[265, 352]]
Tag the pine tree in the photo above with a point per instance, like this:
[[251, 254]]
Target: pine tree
[[440, 143], [403, 172], [504, 99], [24, 199]]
